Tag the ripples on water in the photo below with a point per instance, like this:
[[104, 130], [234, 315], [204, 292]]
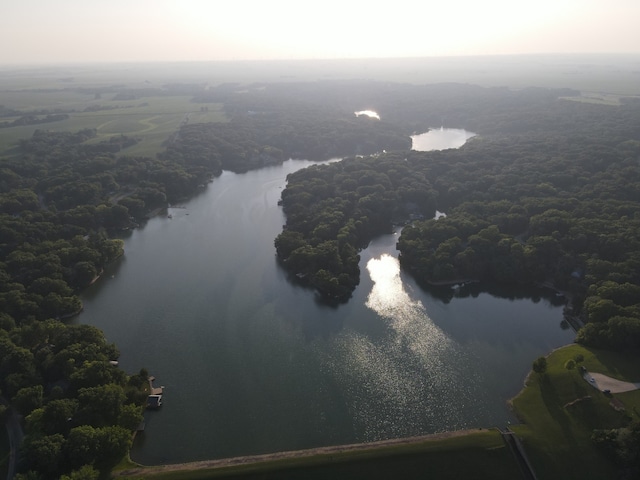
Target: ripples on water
[[400, 384]]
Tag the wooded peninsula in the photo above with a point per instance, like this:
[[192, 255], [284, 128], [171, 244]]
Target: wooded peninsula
[[547, 192]]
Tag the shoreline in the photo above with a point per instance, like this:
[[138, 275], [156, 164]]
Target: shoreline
[[451, 283], [292, 454]]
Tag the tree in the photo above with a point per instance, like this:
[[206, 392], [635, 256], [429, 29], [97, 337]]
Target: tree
[[540, 365], [27, 399], [84, 273], [82, 446], [58, 414], [100, 405], [44, 454], [96, 373], [130, 416], [86, 472], [114, 442]]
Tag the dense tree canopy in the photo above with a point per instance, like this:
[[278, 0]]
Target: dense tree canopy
[[548, 192]]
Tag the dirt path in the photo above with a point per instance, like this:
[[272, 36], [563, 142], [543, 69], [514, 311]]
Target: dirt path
[[269, 457], [603, 382]]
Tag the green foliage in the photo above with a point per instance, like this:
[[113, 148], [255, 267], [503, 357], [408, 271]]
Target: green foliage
[[525, 203], [114, 442], [547, 193], [57, 416], [622, 445], [83, 446], [333, 210], [60, 377], [28, 398], [540, 365], [45, 454], [559, 414], [101, 405], [86, 472], [130, 416]]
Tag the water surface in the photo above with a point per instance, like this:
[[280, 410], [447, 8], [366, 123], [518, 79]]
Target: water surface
[[440, 139], [368, 113], [252, 363]]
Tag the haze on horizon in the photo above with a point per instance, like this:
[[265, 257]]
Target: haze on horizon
[[75, 31]]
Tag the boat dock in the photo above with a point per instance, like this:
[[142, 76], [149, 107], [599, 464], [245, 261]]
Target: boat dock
[[154, 400], [155, 390]]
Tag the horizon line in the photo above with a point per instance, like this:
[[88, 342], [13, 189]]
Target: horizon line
[[70, 63]]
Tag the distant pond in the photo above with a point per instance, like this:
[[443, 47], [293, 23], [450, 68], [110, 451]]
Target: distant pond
[[440, 139], [367, 113], [252, 363]]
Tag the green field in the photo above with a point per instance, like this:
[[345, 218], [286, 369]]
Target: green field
[[149, 119]]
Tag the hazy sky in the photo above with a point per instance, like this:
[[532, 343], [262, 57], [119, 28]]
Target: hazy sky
[[35, 31]]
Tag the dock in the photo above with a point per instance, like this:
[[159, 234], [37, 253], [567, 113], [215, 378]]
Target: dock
[[155, 390], [154, 400]]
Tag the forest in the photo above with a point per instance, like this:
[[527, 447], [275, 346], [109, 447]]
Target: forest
[[548, 192], [552, 198]]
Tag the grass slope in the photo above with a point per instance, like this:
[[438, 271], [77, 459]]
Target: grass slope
[[557, 437]]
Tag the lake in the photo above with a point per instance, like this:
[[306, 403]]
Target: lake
[[252, 363]]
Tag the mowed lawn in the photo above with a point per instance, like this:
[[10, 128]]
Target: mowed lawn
[[151, 120], [557, 436]]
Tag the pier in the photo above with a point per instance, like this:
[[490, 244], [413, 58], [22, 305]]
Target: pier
[[154, 400], [154, 390]]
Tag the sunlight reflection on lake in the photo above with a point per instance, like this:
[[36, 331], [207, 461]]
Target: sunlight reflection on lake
[[368, 113], [440, 139], [399, 383], [407, 317]]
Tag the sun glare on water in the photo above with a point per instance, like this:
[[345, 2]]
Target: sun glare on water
[[408, 318], [368, 113], [399, 384]]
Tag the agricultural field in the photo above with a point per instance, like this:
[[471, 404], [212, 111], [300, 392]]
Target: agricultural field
[[149, 119], [154, 114]]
